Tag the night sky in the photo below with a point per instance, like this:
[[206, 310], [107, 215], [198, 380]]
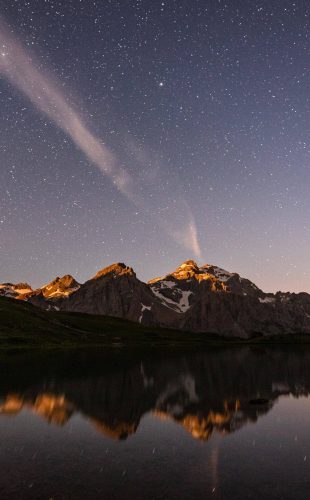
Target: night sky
[[151, 132]]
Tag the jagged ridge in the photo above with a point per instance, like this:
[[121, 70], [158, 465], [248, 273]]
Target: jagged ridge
[[192, 298]]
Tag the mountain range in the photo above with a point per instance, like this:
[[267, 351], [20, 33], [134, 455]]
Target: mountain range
[[204, 299]]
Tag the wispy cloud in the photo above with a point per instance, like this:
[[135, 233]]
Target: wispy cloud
[[25, 73], [188, 236]]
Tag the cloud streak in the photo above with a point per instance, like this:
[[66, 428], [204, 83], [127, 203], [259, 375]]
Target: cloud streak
[[23, 71]]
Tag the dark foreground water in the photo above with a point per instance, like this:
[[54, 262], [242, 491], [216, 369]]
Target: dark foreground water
[[230, 424]]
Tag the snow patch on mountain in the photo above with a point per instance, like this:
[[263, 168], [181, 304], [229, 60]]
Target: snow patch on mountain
[[168, 284], [143, 308], [181, 301], [171, 304], [267, 300], [218, 272], [184, 301]]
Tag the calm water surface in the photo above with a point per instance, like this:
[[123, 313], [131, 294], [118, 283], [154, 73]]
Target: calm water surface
[[226, 424]]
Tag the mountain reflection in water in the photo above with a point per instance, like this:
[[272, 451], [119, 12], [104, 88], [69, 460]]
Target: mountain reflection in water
[[225, 424], [205, 393]]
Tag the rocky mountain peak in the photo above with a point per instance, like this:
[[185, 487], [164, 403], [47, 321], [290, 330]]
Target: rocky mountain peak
[[117, 269], [208, 272], [186, 270], [60, 287], [14, 290], [66, 280], [187, 266], [21, 287]]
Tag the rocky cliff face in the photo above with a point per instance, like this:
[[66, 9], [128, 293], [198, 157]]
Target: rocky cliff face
[[192, 298]]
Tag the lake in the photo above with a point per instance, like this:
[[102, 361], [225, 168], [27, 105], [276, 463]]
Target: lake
[[222, 423]]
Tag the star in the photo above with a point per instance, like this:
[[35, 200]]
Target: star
[[201, 124]]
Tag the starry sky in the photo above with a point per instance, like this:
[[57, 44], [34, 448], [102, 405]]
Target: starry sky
[[151, 132]]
